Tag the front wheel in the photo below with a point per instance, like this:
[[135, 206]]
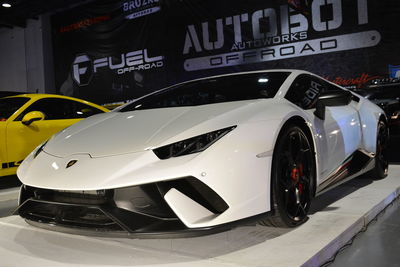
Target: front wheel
[[292, 178]]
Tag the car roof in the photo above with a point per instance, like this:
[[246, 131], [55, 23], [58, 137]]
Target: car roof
[[40, 96], [240, 73], [34, 95], [10, 93]]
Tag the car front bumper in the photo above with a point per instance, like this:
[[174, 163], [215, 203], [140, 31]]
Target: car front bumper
[[137, 211]]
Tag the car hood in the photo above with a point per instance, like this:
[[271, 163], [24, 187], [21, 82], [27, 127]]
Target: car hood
[[118, 133]]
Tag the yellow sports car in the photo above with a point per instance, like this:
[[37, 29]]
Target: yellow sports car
[[29, 119]]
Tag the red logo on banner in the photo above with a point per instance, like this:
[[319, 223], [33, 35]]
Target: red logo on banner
[[84, 23], [357, 82]]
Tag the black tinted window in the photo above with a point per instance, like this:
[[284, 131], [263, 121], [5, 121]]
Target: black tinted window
[[305, 90], [215, 90], [57, 108], [9, 105]]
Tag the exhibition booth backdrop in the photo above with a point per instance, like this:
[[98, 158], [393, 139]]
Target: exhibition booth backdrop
[[108, 51]]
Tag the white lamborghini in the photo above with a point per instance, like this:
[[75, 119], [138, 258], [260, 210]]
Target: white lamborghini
[[203, 155]]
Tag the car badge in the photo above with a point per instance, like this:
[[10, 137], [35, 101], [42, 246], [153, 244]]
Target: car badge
[[71, 163]]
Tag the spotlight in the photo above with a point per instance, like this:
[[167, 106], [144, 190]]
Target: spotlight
[[7, 5]]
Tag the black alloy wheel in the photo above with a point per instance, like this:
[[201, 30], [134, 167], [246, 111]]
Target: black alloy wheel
[[293, 177]]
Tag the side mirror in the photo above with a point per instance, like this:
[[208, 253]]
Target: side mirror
[[331, 99], [32, 116]]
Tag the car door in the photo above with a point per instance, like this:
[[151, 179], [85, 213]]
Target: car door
[[338, 136], [59, 114], [9, 106]]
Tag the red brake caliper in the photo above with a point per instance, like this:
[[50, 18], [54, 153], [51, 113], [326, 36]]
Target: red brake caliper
[[300, 175], [295, 175]]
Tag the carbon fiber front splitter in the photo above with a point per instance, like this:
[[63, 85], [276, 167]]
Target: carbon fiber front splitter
[[104, 221], [136, 212]]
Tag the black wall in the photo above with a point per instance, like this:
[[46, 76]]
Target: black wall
[[104, 55]]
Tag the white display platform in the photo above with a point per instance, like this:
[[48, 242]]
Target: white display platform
[[335, 218]]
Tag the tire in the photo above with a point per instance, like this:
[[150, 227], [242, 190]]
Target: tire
[[380, 170], [292, 178]]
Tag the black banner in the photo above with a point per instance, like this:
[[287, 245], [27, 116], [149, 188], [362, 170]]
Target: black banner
[[110, 51]]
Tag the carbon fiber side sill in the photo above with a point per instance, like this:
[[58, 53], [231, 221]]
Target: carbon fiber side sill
[[352, 166]]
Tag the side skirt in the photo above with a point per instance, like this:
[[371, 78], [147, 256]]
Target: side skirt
[[356, 164]]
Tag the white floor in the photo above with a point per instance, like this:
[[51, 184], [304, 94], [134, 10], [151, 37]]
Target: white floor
[[335, 218], [8, 194]]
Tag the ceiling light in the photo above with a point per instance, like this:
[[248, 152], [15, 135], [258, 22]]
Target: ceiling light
[[6, 5]]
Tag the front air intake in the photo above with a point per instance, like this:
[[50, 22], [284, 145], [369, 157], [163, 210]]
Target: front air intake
[[197, 191], [137, 210], [72, 215]]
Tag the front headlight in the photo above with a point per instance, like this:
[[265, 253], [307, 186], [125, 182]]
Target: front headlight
[[192, 145]]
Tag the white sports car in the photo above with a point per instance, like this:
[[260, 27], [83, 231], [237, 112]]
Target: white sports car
[[205, 155]]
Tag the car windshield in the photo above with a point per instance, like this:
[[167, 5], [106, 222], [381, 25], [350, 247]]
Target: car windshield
[[9, 105], [214, 90]]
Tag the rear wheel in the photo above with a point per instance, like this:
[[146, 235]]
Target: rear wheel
[[292, 176], [380, 170]]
